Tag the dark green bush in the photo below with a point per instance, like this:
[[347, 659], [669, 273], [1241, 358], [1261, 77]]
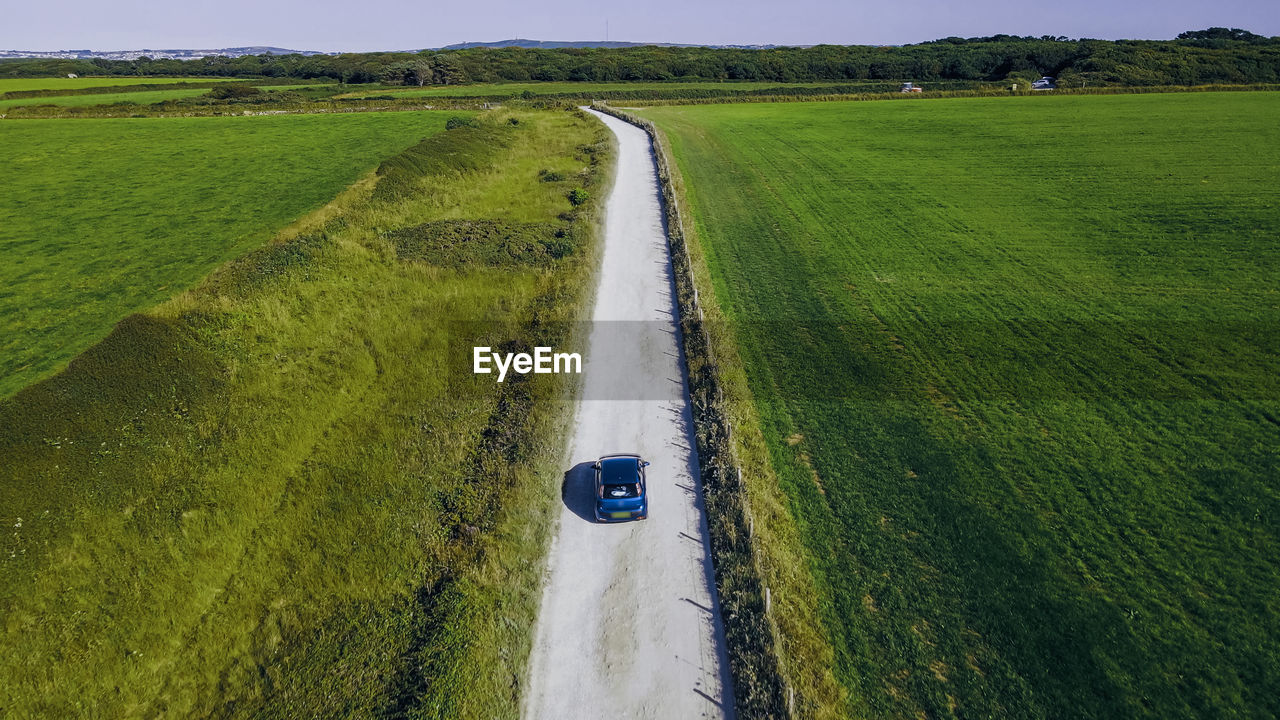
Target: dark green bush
[[462, 243], [578, 196], [550, 176], [233, 91], [456, 122]]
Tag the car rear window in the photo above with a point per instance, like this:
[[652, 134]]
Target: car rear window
[[617, 492]]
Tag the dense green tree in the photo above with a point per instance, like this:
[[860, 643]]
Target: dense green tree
[[1214, 55]]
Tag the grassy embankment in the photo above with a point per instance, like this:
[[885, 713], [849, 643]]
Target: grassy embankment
[[1014, 366], [276, 494], [112, 216]]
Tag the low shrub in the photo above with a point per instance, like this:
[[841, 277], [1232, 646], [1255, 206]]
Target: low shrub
[[233, 91], [459, 121], [461, 243]]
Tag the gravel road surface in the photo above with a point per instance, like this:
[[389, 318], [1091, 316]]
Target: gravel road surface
[[630, 624]]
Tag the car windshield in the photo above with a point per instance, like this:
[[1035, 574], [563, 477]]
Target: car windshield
[[616, 492]]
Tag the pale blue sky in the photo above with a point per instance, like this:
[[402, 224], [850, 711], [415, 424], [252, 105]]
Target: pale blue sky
[[330, 25]]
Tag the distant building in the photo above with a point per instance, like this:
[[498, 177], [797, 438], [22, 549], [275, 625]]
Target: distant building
[[1044, 83], [910, 87], [72, 75]]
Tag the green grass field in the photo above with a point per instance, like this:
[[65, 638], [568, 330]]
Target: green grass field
[[145, 97], [505, 90], [142, 97], [273, 496], [1015, 361], [113, 216], [63, 83]]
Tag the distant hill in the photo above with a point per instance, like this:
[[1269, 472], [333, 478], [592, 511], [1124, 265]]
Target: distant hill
[[170, 54], [234, 52], [557, 44]]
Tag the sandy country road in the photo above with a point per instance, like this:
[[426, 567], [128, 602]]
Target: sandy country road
[[630, 624]]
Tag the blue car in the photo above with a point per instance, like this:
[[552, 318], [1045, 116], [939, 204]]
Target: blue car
[[621, 490]]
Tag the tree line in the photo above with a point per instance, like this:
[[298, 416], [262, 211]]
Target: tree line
[[1211, 56]]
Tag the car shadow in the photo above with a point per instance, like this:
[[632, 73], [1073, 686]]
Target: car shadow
[[578, 491]]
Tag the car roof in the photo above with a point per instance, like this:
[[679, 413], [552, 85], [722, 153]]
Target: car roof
[[619, 468]]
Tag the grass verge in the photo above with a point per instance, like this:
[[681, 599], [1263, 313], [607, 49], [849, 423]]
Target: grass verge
[[276, 495]]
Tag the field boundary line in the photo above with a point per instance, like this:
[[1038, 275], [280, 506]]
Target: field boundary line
[[554, 101], [988, 92]]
